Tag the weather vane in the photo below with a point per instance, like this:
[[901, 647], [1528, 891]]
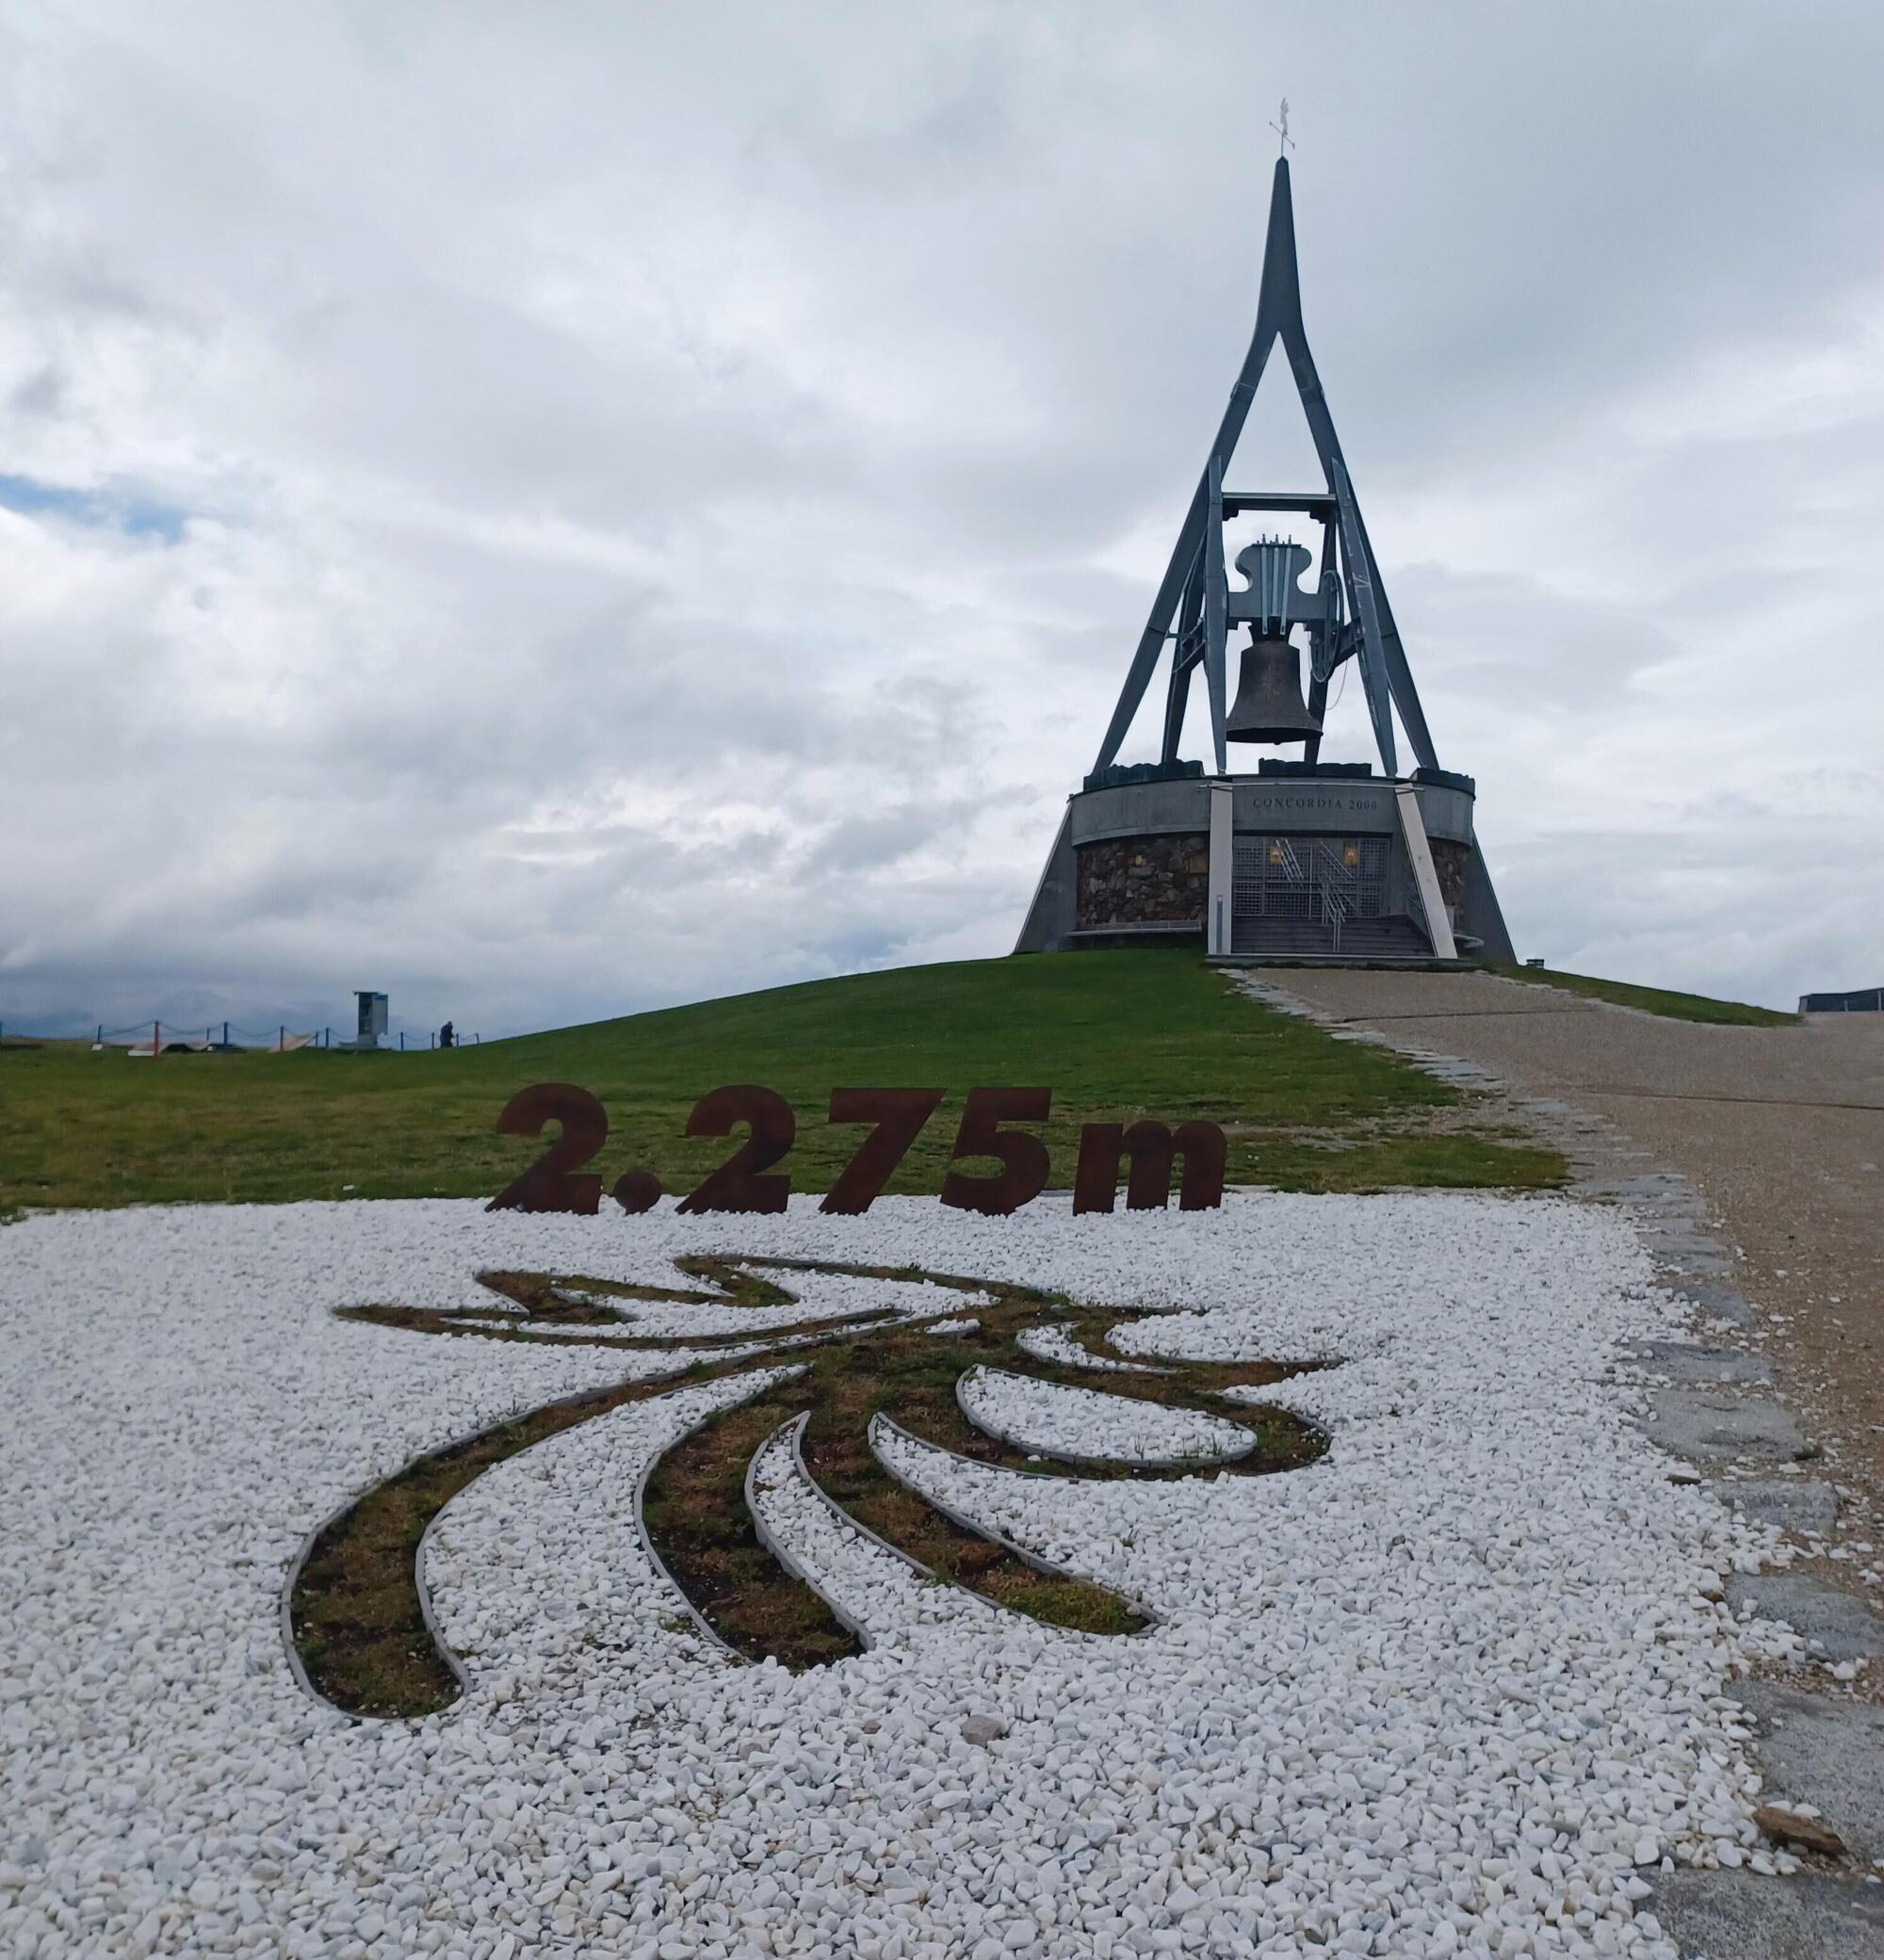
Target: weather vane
[[1281, 128]]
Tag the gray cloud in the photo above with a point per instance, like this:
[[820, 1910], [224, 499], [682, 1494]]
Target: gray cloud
[[658, 501]]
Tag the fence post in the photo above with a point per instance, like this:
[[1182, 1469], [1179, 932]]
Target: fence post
[[225, 1035], [402, 1041], [281, 1041], [99, 1037], [156, 1038]]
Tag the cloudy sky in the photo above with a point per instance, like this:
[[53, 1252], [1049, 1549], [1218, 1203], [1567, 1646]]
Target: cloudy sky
[[552, 510]]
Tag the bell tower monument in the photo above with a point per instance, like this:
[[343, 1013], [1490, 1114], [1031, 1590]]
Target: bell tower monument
[[1294, 858]]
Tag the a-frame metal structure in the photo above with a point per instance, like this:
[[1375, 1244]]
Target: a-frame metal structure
[[1347, 617]]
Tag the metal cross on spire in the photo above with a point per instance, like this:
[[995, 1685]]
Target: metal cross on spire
[[1281, 129]]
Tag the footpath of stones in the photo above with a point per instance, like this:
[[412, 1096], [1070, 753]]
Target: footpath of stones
[[1819, 1725], [1459, 1686]]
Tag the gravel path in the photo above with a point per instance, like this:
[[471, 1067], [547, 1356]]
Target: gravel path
[[1457, 1687], [1781, 1129]]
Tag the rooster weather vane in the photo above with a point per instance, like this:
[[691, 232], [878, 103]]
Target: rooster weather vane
[[850, 1385]]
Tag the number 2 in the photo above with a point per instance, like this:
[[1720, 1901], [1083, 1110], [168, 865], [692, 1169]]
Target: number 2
[[737, 1184], [549, 1184]]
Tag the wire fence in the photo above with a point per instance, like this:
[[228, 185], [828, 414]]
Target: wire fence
[[158, 1036]]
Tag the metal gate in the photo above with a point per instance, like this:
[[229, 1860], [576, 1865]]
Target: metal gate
[[1320, 880]]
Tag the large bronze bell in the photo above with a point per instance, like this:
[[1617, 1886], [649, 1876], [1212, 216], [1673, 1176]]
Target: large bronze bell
[[1269, 705]]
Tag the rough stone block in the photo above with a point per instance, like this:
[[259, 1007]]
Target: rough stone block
[[1825, 1750], [1741, 1916], [1708, 1423], [1683, 1361], [1846, 1628], [1793, 1503]]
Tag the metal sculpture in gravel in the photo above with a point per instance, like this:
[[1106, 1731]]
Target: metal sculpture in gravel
[[357, 1612]]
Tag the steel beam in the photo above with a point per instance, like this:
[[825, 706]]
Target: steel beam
[[1185, 654], [1357, 568], [1317, 503], [1386, 673], [1216, 592], [1278, 248]]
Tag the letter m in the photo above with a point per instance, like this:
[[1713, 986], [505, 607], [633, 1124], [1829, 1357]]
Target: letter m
[[1151, 1146]]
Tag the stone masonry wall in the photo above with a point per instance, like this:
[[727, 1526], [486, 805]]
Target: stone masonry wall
[[1144, 881]]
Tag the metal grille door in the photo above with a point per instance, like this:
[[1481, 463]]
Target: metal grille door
[[1313, 880]]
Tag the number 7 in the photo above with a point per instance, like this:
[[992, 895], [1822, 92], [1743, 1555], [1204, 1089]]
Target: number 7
[[899, 1115]]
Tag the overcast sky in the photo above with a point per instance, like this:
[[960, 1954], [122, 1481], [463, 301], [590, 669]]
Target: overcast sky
[[553, 510]]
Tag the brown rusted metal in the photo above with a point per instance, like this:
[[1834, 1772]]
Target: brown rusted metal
[[637, 1191], [1151, 1148], [738, 1185], [1023, 1158], [553, 1183], [899, 1115]]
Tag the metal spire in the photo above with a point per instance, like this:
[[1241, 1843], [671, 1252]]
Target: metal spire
[[1196, 573]]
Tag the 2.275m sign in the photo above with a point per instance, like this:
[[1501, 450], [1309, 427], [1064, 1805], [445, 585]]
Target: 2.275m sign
[[993, 1126]]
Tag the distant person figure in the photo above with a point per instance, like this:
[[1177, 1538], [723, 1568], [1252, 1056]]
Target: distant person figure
[[446, 1037]]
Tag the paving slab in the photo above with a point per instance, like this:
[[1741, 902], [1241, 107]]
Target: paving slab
[[1723, 1302], [1844, 1627], [1793, 1503], [1685, 1361], [1825, 1750], [1741, 1916], [1711, 1423]]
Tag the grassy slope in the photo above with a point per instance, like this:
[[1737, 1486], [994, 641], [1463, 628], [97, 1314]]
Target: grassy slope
[[1656, 1000], [1113, 1034]]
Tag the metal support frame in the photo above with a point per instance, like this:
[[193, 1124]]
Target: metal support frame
[[1319, 670], [1197, 560]]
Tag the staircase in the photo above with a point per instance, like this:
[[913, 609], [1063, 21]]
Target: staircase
[[1349, 940]]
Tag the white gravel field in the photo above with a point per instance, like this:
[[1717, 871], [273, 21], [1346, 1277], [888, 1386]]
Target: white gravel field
[[1456, 1688]]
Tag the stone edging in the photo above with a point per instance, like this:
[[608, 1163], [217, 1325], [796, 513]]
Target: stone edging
[[961, 1520]]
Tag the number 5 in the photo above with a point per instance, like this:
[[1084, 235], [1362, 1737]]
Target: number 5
[[1023, 1159]]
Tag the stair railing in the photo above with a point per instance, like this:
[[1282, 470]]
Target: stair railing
[[1334, 910]]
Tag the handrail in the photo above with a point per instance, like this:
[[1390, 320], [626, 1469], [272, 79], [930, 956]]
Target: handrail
[[1334, 911]]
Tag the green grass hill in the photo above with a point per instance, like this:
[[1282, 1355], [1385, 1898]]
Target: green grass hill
[[1115, 1036]]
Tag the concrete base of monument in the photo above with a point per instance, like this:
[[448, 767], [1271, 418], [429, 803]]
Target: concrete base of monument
[[1412, 964], [1326, 862]]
